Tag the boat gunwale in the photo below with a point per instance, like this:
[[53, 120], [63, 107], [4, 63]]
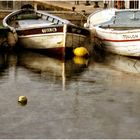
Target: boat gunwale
[[17, 12]]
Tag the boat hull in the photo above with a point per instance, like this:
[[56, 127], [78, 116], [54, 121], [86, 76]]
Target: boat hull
[[119, 42], [42, 41], [52, 41], [59, 40], [117, 31]]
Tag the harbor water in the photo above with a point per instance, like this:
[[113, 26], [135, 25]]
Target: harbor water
[[98, 97]]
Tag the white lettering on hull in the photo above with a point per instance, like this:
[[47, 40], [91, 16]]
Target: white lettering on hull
[[130, 37], [49, 30]]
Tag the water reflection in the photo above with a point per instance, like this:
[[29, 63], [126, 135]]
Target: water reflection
[[100, 101], [3, 61], [6, 61], [119, 62], [56, 69]]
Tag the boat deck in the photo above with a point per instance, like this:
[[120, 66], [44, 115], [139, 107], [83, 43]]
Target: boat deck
[[32, 19], [33, 23], [123, 20]]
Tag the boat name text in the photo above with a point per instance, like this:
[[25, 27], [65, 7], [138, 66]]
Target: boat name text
[[130, 36], [74, 30], [49, 30]]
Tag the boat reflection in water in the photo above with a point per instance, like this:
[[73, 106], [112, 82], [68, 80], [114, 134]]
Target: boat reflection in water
[[56, 69], [8, 62], [121, 63], [3, 61]]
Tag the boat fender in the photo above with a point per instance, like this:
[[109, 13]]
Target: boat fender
[[12, 39], [81, 52], [22, 100]]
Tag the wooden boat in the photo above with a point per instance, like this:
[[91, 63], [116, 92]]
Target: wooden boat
[[117, 31], [41, 30]]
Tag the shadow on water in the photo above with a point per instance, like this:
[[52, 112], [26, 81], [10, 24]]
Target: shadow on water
[[119, 62], [41, 63], [50, 68], [47, 65]]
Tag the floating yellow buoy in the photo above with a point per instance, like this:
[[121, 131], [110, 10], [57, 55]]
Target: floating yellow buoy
[[81, 51], [22, 100], [80, 60]]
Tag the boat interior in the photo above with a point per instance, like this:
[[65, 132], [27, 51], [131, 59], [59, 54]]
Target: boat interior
[[29, 19], [123, 20]]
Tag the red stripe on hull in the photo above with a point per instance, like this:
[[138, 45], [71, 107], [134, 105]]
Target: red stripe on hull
[[43, 30]]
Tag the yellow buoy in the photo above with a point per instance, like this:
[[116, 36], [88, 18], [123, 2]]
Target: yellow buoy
[[81, 51], [22, 100], [80, 60]]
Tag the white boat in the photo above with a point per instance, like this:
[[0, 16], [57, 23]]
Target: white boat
[[116, 30], [41, 30]]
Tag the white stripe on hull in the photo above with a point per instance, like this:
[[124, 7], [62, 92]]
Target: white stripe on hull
[[52, 40], [42, 42], [128, 51], [124, 43]]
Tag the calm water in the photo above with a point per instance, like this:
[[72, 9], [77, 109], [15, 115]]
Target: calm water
[[80, 98]]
